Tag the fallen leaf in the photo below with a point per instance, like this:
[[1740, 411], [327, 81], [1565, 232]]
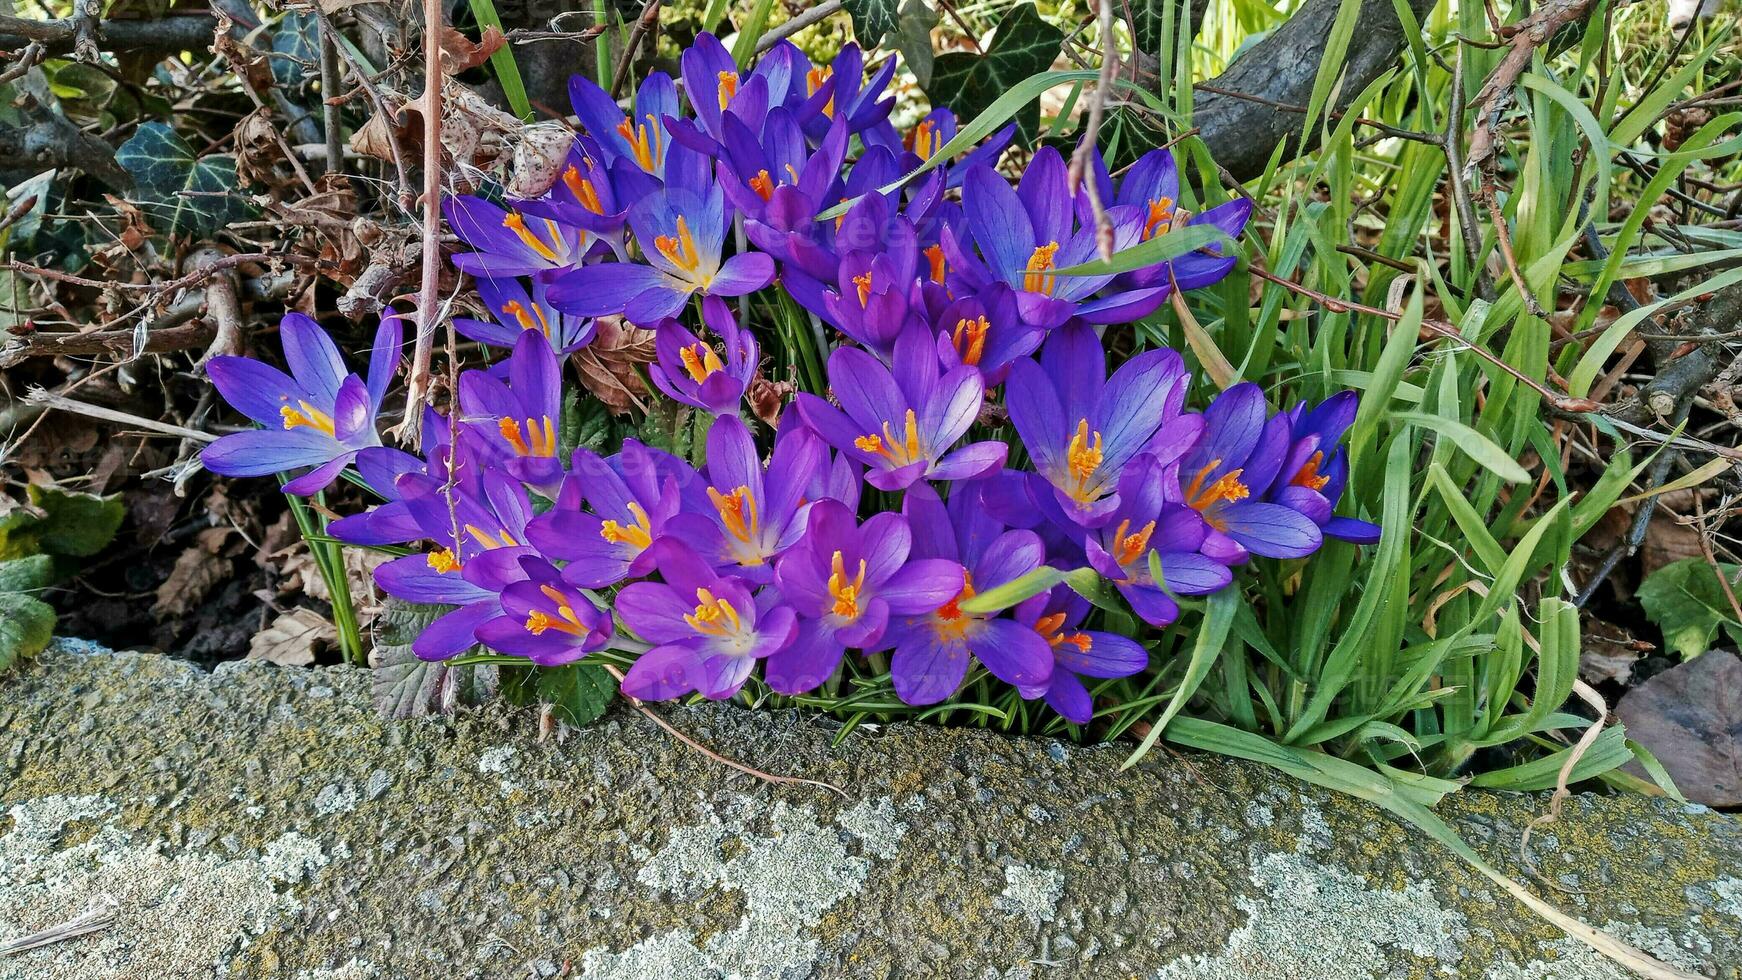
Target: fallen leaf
[[460, 53], [299, 573], [1690, 718], [611, 365], [293, 639], [200, 568]]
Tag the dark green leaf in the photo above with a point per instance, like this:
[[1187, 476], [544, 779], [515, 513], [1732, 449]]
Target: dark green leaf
[[912, 38], [586, 423], [578, 693], [1024, 45], [296, 49], [182, 193], [1686, 600], [78, 524], [406, 687], [26, 626], [873, 20]]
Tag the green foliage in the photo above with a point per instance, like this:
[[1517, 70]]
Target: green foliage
[[577, 693], [40, 544], [969, 83], [1687, 601], [404, 686], [874, 20], [184, 193]]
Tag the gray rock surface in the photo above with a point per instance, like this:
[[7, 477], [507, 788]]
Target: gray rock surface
[[263, 822]]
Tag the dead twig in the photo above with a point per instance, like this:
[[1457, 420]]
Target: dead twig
[[1092, 130], [430, 104], [645, 23], [766, 777]]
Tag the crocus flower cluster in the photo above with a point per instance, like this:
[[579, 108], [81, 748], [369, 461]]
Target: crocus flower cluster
[[857, 532]]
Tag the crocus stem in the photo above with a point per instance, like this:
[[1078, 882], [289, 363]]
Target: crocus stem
[[330, 562]]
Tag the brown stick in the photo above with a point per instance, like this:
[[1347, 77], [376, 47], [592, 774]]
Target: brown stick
[[430, 104]]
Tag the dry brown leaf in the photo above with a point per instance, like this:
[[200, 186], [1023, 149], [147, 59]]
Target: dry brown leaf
[[539, 156], [1666, 541], [200, 568], [610, 365], [460, 53], [298, 572], [1690, 718], [293, 639]]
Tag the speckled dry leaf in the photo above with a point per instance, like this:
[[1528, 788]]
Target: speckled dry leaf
[[200, 568], [610, 365], [538, 158], [293, 639], [1690, 718]]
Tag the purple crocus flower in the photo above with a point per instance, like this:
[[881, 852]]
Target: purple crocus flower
[[1028, 233], [1316, 468], [517, 311], [901, 424], [756, 514], [1077, 653], [631, 496], [878, 297], [709, 630], [1152, 187], [518, 420], [1226, 476], [681, 231], [983, 332], [318, 415], [585, 194], [930, 135], [780, 186], [932, 650], [692, 372], [637, 137], [847, 581], [718, 91], [838, 90], [1146, 522], [1081, 427], [479, 540], [511, 243], [545, 619]]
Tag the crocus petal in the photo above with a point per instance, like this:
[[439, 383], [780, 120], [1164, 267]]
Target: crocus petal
[[805, 663], [1271, 530], [453, 633], [1353, 531], [1108, 655], [926, 672], [743, 273], [1067, 696], [1013, 653], [663, 673], [313, 358], [262, 452], [602, 290], [922, 586], [256, 390]]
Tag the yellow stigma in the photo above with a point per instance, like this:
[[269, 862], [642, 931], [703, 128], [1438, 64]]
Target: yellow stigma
[[1083, 456], [517, 224], [846, 593], [728, 88], [1050, 627], [582, 189], [713, 616], [681, 250], [490, 541], [565, 621], [864, 284], [700, 361], [1130, 547], [1039, 277], [644, 141], [935, 255], [1160, 210], [543, 432], [307, 416], [814, 79], [1225, 489], [899, 453], [443, 561], [763, 185], [528, 320], [637, 535], [970, 339], [737, 512], [1308, 476]]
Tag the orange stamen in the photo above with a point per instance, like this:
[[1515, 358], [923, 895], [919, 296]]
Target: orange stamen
[[1039, 278], [1160, 210], [537, 621], [681, 250], [970, 339], [517, 224], [864, 284], [543, 433], [737, 512], [700, 361], [728, 88], [443, 561], [644, 141], [491, 541], [514, 308], [885, 444], [1309, 475], [582, 189], [1131, 547], [713, 616], [814, 79], [637, 535], [763, 185], [307, 416], [935, 255], [846, 593], [1049, 626], [1083, 456]]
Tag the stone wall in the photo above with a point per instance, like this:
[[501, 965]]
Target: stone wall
[[263, 822]]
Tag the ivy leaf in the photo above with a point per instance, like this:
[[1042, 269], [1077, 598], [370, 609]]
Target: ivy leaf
[[187, 194], [298, 46], [912, 38], [578, 693], [1024, 45], [873, 19], [26, 626], [1686, 601], [404, 686]]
